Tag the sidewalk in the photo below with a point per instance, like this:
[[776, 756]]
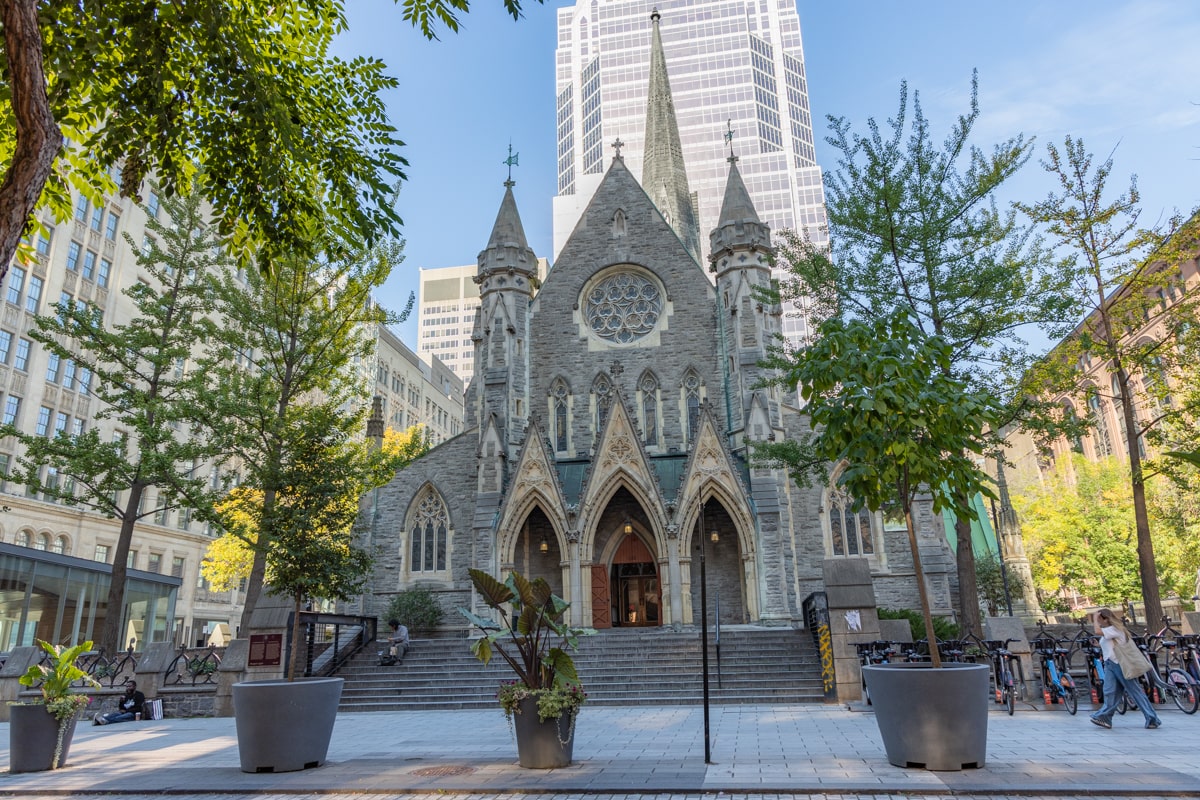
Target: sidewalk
[[641, 750]]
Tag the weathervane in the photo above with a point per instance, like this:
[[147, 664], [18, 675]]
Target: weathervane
[[511, 161], [729, 140]]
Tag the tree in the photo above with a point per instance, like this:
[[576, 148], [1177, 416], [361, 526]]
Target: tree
[[1124, 280], [240, 103], [288, 337], [881, 399], [916, 224], [230, 557], [1080, 529], [139, 374], [306, 534]]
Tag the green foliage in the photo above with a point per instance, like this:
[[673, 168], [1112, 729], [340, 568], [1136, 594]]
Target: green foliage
[[914, 222], [881, 400], [990, 578], [942, 628], [1080, 533], [532, 618], [56, 677], [416, 608], [552, 703]]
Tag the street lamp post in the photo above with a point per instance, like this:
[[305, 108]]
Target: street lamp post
[[704, 633]]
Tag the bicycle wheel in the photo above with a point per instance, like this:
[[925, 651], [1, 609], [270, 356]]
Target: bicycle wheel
[[1010, 700], [1070, 699], [1185, 693]]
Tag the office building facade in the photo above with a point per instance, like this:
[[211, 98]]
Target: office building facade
[[735, 68]]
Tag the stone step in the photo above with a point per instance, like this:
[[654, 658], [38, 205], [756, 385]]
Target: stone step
[[762, 666]]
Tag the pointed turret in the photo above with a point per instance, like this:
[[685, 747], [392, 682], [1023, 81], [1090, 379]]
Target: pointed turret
[[507, 271], [738, 225], [663, 175]]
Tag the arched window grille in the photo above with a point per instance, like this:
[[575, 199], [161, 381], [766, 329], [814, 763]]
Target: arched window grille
[[559, 399], [649, 388], [691, 388], [602, 389], [850, 526], [429, 530]]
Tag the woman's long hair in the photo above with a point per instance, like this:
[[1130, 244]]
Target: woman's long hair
[[1108, 618]]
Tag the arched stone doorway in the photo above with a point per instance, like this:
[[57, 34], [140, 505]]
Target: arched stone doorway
[[537, 553], [723, 567], [626, 585]]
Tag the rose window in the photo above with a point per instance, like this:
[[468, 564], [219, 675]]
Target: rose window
[[624, 307]]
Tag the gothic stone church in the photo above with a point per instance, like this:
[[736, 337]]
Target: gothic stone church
[[609, 422]]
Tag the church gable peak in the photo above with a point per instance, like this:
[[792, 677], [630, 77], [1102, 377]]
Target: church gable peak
[[534, 478], [619, 454], [709, 463]]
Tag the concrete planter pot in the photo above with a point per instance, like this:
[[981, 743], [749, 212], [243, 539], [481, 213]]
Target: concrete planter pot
[[931, 718], [543, 745], [33, 736], [284, 726]]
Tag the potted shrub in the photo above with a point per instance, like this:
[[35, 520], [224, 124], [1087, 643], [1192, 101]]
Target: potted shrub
[[533, 638], [40, 733], [882, 399]]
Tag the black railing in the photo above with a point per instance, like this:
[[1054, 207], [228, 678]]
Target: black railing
[[196, 667], [816, 618], [330, 640], [105, 670]]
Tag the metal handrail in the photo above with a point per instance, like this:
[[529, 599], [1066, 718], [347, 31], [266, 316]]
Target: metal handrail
[[331, 640]]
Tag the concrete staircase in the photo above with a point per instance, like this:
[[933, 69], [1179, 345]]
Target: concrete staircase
[[618, 667]]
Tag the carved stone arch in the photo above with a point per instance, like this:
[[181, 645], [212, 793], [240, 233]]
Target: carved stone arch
[[714, 490], [598, 499], [24, 537], [61, 544], [509, 529], [426, 542], [849, 528], [619, 224]]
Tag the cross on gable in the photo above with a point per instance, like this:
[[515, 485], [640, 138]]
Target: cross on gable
[[616, 369], [617, 145]]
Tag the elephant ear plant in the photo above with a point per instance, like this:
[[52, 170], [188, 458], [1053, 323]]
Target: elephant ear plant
[[57, 674], [533, 638]]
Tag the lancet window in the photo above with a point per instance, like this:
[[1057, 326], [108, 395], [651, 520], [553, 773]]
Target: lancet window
[[428, 531]]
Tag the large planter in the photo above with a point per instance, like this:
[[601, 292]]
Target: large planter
[[931, 718], [543, 745], [33, 736], [284, 726]]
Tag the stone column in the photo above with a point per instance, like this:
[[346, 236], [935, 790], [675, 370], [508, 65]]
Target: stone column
[[853, 618], [675, 575]]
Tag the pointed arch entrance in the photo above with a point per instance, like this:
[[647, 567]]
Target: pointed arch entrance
[[625, 581]]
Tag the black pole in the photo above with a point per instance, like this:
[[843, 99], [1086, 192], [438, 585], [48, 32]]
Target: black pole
[[704, 637], [1000, 548]]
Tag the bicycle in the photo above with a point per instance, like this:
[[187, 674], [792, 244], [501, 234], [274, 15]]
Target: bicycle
[[1057, 683], [1002, 673], [1167, 680], [1190, 657]]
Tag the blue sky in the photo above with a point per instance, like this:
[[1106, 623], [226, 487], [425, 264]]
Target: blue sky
[[1123, 76]]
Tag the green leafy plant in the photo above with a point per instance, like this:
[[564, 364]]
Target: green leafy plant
[[416, 608], [532, 618], [201, 666], [56, 675], [942, 627]]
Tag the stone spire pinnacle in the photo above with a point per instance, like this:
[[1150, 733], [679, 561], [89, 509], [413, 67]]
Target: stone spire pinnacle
[[663, 175], [507, 248], [738, 225]]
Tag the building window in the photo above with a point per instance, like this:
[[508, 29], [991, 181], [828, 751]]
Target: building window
[[154, 563], [22, 539], [429, 531], [152, 204], [59, 546], [81, 209], [177, 567], [43, 242], [560, 416], [602, 394], [110, 230], [691, 391], [5, 345], [53, 366], [12, 408], [16, 285], [649, 388], [34, 295], [850, 526], [73, 251], [43, 421], [102, 552], [41, 542], [97, 218], [68, 374], [89, 266]]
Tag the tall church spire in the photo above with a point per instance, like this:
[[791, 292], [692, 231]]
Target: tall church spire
[[663, 174]]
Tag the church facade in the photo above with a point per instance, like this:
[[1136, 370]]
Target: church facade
[[609, 429]]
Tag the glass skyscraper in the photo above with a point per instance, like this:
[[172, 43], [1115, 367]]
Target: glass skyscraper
[[735, 68]]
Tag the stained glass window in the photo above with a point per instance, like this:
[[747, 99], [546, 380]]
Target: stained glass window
[[623, 307]]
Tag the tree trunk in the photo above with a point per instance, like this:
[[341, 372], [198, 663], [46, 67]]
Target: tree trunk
[[258, 571], [38, 136], [968, 586], [294, 665], [110, 635], [1147, 569], [922, 589]]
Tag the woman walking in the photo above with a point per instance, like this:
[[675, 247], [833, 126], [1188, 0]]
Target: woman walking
[[1112, 635]]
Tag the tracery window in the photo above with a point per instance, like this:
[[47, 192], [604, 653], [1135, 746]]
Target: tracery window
[[691, 388], [850, 526], [429, 530], [1099, 418], [649, 388], [623, 307], [602, 390], [559, 399]]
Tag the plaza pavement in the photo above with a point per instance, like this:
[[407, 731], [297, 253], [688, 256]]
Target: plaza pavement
[[758, 752]]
